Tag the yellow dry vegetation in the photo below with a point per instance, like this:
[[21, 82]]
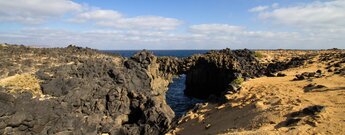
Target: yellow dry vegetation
[[22, 83]]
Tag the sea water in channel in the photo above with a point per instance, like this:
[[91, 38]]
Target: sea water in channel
[[175, 97]]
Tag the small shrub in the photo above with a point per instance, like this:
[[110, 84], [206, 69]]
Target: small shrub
[[335, 49], [258, 55], [238, 81]]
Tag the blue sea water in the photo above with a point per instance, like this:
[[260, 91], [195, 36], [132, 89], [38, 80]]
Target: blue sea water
[[175, 97], [175, 53]]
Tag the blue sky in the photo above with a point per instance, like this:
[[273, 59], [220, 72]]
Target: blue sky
[[178, 24]]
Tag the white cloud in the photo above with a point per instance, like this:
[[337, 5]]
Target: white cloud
[[35, 11], [319, 25], [40, 11], [264, 8], [232, 30], [315, 15], [114, 19], [226, 35], [101, 39], [204, 36], [259, 9], [99, 14], [215, 33], [215, 28], [142, 22]]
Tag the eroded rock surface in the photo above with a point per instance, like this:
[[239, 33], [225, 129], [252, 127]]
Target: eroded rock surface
[[212, 73], [89, 93]]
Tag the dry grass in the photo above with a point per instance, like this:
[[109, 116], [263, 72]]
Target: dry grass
[[22, 83]]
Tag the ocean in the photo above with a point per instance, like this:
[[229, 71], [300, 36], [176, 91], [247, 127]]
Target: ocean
[[175, 53], [175, 97]]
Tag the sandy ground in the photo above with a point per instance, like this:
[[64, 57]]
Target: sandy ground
[[268, 105]]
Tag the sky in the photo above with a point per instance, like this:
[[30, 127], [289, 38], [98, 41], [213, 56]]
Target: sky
[[174, 24]]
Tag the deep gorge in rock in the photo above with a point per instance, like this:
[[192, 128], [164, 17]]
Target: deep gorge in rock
[[176, 98]]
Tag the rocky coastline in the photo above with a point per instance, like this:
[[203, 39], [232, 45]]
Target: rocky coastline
[[78, 90]]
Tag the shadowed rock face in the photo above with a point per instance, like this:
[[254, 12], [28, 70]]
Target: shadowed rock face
[[213, 73]]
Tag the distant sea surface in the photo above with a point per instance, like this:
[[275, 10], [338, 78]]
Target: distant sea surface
[[175, 97], [175, 53]]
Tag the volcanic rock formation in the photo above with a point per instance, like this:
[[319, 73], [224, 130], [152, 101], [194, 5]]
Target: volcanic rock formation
[[213, 72], [84, 91]]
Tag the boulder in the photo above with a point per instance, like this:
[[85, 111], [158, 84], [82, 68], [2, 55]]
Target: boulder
[[281, 74]]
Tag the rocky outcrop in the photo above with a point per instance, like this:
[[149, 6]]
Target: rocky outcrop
[[282, 65], [335, 61], [85, 92], [214, 72], [217, 72]]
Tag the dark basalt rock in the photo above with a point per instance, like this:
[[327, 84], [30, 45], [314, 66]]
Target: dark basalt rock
[[308, 111], [212, 73], [281, 75], [279, 66], [271, 74], [292, 122], [313, 110], [298, 116], [299, 77], [91, 94], [305, 75], [339, 71], [172, 65], [311, 87], [319, 71]]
